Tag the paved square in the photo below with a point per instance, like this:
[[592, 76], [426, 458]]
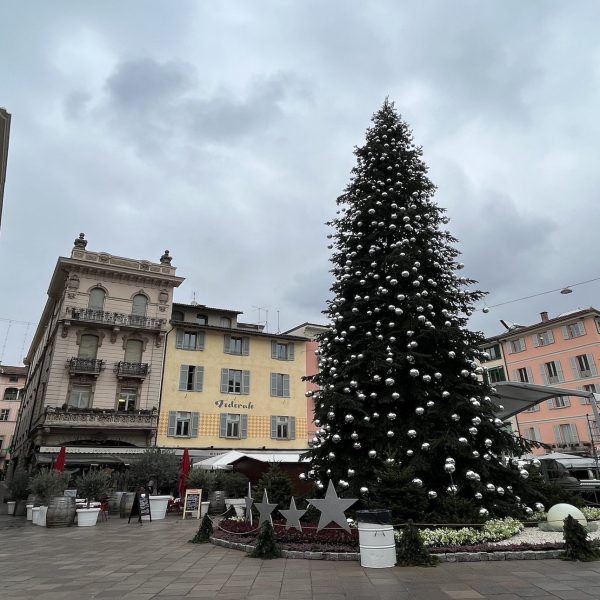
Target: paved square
[[155, 560]]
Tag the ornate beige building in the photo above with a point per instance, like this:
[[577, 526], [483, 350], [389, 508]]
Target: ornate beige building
[[96, 359]]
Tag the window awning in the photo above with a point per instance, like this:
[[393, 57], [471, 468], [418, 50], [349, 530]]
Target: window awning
[[516, 397]]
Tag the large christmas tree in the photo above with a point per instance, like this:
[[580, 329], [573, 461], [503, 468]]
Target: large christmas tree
[[405, 418]]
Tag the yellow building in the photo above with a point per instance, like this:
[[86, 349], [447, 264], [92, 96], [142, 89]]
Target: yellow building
[[229, 385]]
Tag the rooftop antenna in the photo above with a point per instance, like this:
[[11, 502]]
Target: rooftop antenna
[[194, 303], [278, 328], [266, 321]]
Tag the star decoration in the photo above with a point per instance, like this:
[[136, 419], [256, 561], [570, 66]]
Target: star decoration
[[265, 509], [249, 502], [292, 516], [332, 508]]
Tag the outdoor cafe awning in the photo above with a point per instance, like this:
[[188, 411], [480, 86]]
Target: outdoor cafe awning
[[516, 397]]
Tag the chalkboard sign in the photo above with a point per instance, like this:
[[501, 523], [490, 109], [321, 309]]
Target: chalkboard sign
[[140, 507], [192, 503]]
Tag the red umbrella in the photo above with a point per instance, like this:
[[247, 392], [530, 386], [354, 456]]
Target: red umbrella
[[59, 465], [186, 465]]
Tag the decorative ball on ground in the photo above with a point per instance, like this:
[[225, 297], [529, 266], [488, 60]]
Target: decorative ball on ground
[[349, 418], [426, 378], [559, 512]]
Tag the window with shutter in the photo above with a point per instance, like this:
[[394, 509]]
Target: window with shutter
[[96, 301], [223, 426], [198, 379], [224, 381], [133, 351], [172, 423], [88, 346], [139, 305], [244, 426], [183, 424], [191, 378], [195, 424], [280, 385], [183, 377], [245, 382]]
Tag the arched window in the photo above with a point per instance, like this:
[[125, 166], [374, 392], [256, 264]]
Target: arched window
[[11, 394], [177, 315], [225, 322], [97, 296], [140, 303], [201, 319], [88, 346], [133, 351]]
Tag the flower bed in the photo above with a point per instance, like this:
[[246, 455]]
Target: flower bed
[[330, 539]]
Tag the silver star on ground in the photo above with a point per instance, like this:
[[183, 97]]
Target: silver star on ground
[[265, 509], [292, 516], [332, 508]]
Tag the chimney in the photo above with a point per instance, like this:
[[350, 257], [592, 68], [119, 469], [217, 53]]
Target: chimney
[[544, 316]]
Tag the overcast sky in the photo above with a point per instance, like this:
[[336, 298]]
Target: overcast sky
[[224, 132]]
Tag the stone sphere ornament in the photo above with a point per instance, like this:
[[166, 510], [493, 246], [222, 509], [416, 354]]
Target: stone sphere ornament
[[302, 476]]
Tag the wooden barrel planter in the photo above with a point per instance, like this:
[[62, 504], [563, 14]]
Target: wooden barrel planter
[[126, 504], [114, 503], [61, 511]]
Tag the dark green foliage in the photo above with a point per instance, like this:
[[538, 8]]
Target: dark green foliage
[[399, 383], [577, 545], [278, 486], [266, 544], [411, 551], [235, 484], [18, 487], [229, 513], [93, 485], [204, 532], [395, 492], [47, 483], [161, 467], [454, 509]]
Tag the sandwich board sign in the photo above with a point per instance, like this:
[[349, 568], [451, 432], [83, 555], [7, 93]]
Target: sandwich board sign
[[192, 503], [140, 507]]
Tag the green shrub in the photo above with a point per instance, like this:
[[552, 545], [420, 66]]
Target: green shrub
[[158, 466], [48, 483], [577, 544], [411, 551], [18, 488], [204, 531], [278, 486], [93, 485], [266, 544]]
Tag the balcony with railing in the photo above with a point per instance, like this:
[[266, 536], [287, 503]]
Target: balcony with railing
[[85, 366], [132, 370], [102, 419], [113, 319]]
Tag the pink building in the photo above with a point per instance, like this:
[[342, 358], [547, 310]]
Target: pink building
[[561, 352], [12, 382], [310, 331]]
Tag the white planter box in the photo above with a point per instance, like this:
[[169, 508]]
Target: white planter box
[[10, 507], [29, 508], [87, 517], [42, 516], [204, 508], [158, 508], [35, 513]]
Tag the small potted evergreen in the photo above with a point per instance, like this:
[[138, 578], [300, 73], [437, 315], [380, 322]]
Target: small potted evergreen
[[18, 490], [92, 486], [235, 486]]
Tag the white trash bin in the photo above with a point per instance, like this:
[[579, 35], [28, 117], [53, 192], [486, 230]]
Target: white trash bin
[[376, 538]]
